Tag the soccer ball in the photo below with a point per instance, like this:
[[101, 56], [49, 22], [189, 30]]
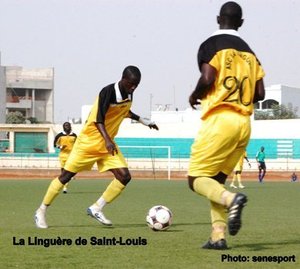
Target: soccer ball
[[159, 218]]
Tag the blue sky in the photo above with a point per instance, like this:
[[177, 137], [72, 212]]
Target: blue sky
[[89, 42]]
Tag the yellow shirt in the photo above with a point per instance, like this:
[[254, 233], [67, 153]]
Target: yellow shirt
[[90, 139], [237, 69]]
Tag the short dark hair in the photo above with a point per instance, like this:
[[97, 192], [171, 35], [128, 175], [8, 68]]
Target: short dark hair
[[231, 10], [131, 71]]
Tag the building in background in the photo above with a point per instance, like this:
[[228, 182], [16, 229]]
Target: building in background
[[29, 91], [280, 95]]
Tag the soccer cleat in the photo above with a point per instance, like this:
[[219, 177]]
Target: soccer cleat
[[98, 215], [241, 186], [218, 245], [233, 186], [65, 190], [40, 219], [235, 213]]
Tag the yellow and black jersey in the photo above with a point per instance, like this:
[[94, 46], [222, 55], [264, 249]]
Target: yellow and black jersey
[[65, 142], [237, 70], [110, 108]]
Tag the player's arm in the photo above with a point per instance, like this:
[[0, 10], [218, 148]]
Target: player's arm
[[256, 157], [110, 145], [246, 158], [145, 121], [259, 91], [208, 76], [104, 100], [56, 142]]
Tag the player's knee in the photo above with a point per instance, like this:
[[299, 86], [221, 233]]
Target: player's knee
[[66, 176], [191, 182], [125, 178], [220, 177]]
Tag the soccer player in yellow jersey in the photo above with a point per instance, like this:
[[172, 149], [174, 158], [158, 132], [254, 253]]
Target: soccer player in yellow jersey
[[231, 81], [237, 176], [65, 141], [95, 144]]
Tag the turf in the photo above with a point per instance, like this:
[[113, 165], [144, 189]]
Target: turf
[[270, 227]]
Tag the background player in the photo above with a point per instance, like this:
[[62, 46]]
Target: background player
[[237, 176], [260, 158], [231, 81], [95, 144], [64, 141], [294, 177]]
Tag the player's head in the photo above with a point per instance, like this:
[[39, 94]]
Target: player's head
[[67, 127], [131, 78], [230, 16], [262, 148]]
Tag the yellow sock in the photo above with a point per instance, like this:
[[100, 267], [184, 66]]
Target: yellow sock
[[218, 219], [218, 231], [209, 188], [53, 190], [113, 190]]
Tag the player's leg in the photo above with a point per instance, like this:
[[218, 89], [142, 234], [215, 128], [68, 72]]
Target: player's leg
[[118, 166], [113, 190], [234, 179], [213, 157], [263, 167], [76, 162], [219, 224], [53, 190], [259, 171], [239, 180], [63, 160], [65, 187]]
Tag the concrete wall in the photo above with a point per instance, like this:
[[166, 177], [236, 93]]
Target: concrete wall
[[2, 95]]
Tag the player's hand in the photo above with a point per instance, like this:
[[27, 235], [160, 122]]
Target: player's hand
[[194, 101], [153, 126], [149, 123], [249, 165], [111, 148]]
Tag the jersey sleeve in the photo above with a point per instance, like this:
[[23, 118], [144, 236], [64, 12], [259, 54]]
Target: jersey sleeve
[[106, 96], [55, 142], [205, 54], [260, 73]]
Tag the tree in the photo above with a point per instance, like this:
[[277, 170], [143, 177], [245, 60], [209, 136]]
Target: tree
[[33, 120], [277, 112], [15, 117]]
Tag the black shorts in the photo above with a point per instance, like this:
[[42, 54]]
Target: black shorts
[[262, 165]]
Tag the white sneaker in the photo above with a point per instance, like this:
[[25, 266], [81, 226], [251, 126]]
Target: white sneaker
[[98, 215], [65, 190], [40, 219], [241, 186], [233, 186]]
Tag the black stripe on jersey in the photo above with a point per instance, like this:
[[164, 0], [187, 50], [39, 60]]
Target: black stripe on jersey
[[213, 44], [60, 135], [107, 96]]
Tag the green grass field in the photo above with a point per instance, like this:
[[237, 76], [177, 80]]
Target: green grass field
[[271, 224]]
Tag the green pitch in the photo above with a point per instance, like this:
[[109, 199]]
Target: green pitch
[[271, 224]]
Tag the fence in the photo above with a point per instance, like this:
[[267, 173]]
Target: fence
[[154, 163]]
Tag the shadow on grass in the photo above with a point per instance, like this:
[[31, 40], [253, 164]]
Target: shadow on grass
[[267, 245], [81, 192], [173, 228], [190, 224]]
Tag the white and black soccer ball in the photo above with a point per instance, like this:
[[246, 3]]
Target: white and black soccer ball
[[159, 218]]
